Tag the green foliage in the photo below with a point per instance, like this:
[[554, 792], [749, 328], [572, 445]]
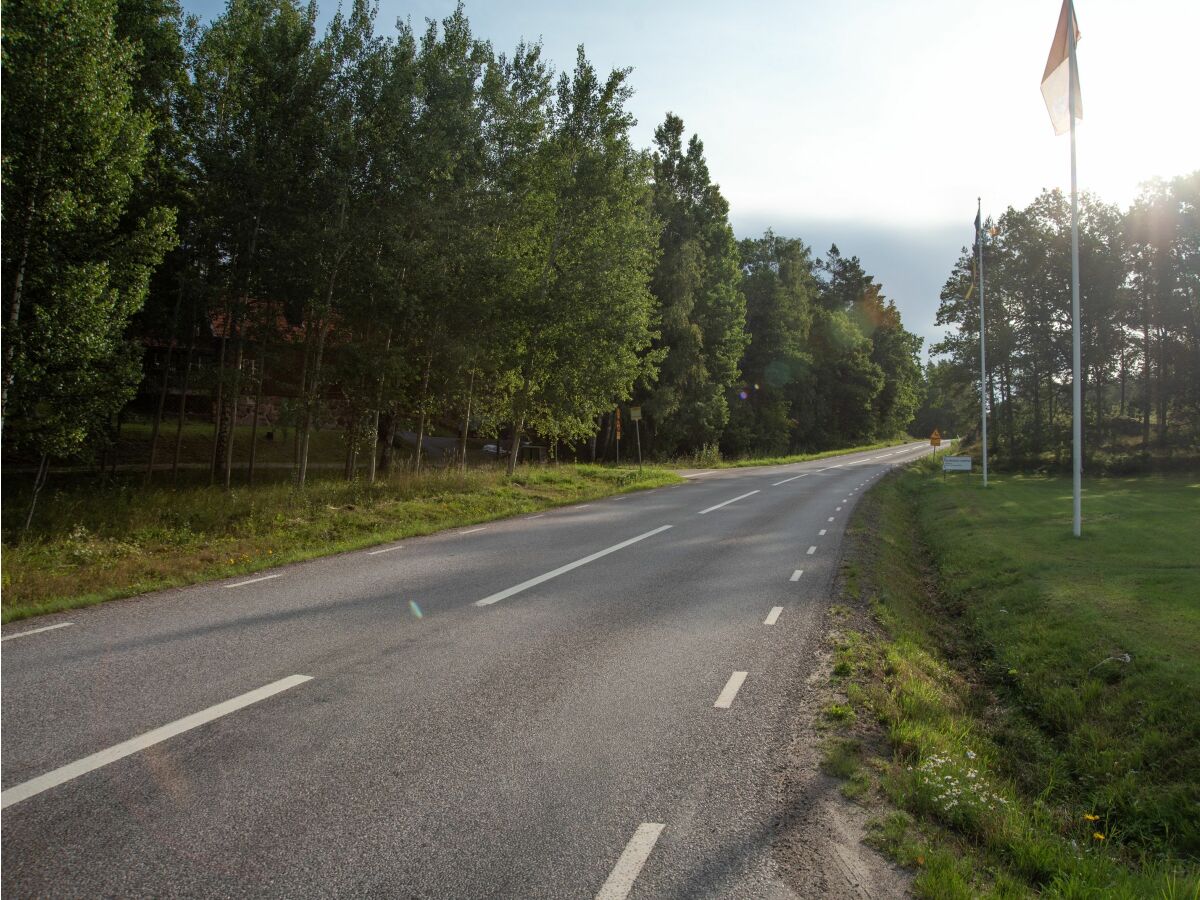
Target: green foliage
[[1139, 272], [700, 306], [76, 261]]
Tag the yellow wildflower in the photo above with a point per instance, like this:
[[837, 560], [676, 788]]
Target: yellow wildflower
[[1097, 835], [1088, 817]]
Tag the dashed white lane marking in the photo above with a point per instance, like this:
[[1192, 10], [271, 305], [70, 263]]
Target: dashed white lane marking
[[786, 480], [773, 615], [812, 550], [839, 509], [732, 686], [625, 872], [698, 474], [796, 575], [473, 531], [385, 550], [727, 502], [34, 786], [821, 533], [255, 580], [11, 637], [830, 519], [533, 582]]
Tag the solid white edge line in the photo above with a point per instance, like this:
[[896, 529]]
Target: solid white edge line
[[255, 580], [538, 516], [27, 789], [11, 637], [698, 474], [796, 575], [385, 550], [812, 549], [732, 686], [773, 615], [727, 502], [473, 531], [532, 582], [633, 857], [786, 480], [586, 505]]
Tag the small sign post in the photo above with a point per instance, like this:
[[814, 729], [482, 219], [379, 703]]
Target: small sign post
[[635, 416], [618, 425], [935, 439], [955, 464]]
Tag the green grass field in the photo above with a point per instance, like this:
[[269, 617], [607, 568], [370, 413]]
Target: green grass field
[[91, 543], [1040, 693]]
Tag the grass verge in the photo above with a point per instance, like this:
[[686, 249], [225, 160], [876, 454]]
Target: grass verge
[[1039, 695], [94, 544], [710, 456]]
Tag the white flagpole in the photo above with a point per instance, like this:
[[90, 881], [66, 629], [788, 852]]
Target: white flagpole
[[983, 395], [1077, 385]]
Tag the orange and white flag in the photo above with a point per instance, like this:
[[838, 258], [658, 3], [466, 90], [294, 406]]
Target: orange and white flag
[[1057, 82]]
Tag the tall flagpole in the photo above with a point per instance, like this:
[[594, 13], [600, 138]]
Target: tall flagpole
[[983, 395], [1077, 385]]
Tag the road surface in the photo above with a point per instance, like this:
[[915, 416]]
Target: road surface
[[587, 702]]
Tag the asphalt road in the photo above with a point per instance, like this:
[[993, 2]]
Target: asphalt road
[[587, 734]]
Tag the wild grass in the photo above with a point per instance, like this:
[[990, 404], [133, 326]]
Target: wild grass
[[1041, 694], [91, 543]]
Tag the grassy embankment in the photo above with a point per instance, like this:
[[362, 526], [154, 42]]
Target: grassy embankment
[[91, 544], [1036, 697]]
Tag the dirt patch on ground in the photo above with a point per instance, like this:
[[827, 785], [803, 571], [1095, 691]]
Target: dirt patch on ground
[[820, 849]]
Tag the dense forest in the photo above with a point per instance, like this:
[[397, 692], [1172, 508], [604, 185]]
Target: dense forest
[[1139, 335], [252, 220]]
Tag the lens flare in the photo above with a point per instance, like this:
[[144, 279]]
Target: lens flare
[[416, 610]]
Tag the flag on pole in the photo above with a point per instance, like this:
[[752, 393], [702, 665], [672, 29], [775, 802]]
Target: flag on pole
[[1056, 80]]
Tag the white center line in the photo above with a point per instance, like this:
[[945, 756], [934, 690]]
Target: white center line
[[698, 474], [727, 502], [773, 615], [786, 480], [473, 531], [385, 550], [796, 575], [625, 872], [255, 580], [34, 786], [533, 582], [732, 686], [821, 533], [10, 637], [812, 550]]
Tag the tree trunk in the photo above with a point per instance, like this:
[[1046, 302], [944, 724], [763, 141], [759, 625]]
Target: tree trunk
[[43, 471], [183, 398], [312, 401], [166, 376], [219, 404], [1146, 397], [421, 425], [258, 392], [466, 423], [514, 451], [389, 442], [227, 479]]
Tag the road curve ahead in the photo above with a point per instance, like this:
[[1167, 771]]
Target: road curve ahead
[[589, 702]]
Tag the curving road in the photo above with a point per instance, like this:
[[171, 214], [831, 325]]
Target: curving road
[[589, 702]]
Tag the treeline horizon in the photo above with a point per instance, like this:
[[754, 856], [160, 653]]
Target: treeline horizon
[[1139, 276], [401, 232]]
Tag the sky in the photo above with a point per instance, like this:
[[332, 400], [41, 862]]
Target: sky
[[875, 124]]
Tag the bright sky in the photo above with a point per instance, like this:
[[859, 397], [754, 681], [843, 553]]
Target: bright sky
[[876, 123]]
